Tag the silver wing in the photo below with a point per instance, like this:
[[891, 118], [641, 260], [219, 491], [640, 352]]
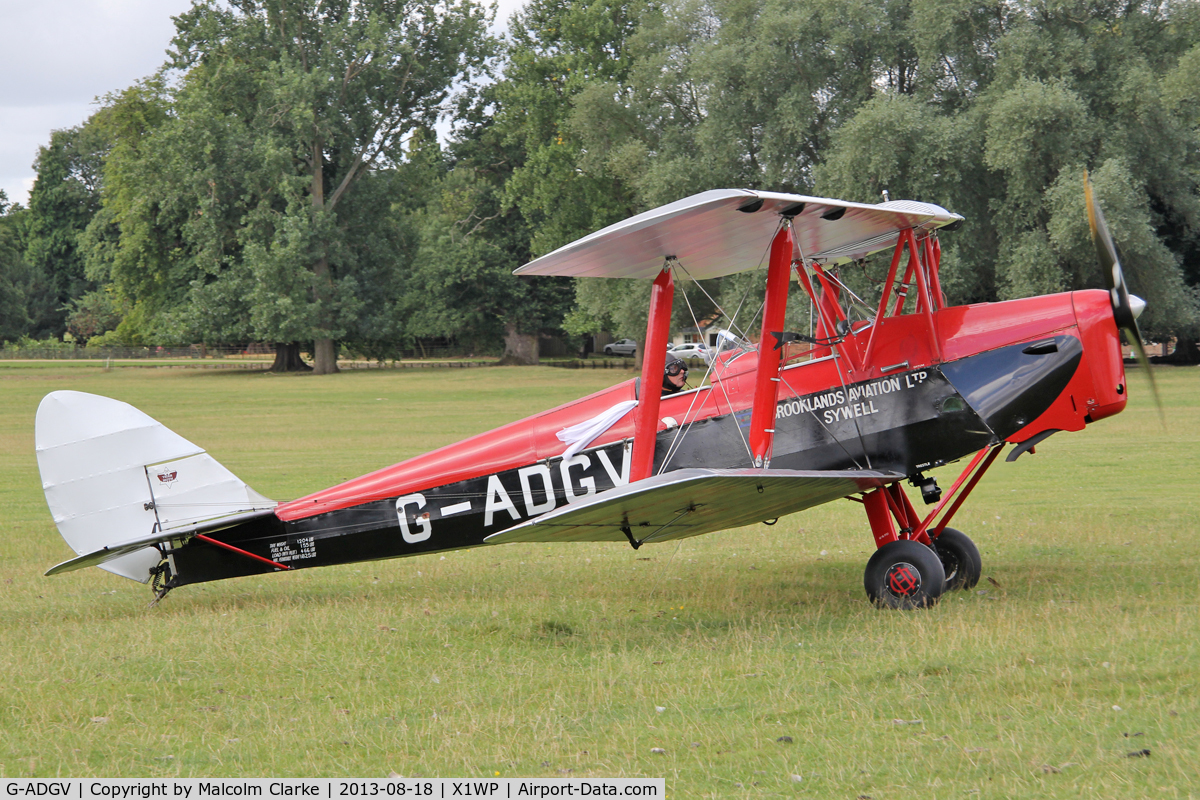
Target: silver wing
[[729, 230], [689, 502]]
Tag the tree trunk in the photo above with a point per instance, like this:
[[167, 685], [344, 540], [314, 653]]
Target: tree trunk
[[1186, 352], [519, 348], [324, 350], [324, 357], [287, 358]]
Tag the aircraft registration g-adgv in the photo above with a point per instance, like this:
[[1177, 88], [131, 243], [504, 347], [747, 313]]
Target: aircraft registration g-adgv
[[870, 398]]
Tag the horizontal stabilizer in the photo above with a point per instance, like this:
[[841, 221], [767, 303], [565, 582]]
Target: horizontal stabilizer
[[117, 482], [112, 551], [689, 502]]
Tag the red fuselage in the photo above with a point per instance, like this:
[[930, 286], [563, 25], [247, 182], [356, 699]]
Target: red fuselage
[[982, 375], [1096, 390]]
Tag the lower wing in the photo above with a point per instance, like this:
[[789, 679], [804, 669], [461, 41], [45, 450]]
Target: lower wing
[[689, 502]]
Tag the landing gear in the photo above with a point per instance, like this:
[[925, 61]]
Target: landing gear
[[904, 574], [960, 559], [919, 558], [160, 578]]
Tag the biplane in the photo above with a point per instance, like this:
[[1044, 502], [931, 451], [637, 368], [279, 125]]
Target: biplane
[[869, 399]]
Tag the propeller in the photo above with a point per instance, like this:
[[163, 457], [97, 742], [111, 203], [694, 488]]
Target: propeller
[[1126, 308]]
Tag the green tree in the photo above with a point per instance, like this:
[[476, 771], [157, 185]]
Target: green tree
[[1012, 102], [462, 285], [730, 93], [740, 93], [94, 314], [516, 184], [283, 113], [132, 247], [554, 52], [15, 277], [982, 106], [64, 198]]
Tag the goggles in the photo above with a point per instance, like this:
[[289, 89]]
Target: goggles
[[676, 367]]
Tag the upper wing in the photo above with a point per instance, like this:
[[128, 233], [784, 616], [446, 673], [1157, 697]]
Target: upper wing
[[729, 230], [689, 502]]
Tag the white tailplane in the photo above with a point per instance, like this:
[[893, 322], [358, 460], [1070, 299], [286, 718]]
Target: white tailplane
[[118, 482]]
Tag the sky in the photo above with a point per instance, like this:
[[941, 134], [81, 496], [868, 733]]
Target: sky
[[59, 56]]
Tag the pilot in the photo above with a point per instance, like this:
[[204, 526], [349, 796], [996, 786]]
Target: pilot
[[674, 374]]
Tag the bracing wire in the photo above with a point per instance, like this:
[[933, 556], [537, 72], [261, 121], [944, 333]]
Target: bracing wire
[[688, 419], [761, 259], [662, 572], [817, 417], [842, 380], [857, 428], [682, 431], [863, 307]]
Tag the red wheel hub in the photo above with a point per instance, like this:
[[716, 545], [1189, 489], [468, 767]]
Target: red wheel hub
[[903, 579]]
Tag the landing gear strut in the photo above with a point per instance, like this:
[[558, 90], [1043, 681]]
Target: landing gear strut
[[917, 560]]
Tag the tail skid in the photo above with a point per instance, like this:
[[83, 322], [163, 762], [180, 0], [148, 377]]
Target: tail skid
[[119, 483]]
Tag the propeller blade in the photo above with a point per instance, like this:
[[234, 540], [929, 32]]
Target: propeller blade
[[1110, 264], [1125, 313]]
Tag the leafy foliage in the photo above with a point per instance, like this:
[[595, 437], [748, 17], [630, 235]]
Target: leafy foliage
[[15, 274], [471, 241], [1001, 125], [254, 199], [280, 179], [65, 196]]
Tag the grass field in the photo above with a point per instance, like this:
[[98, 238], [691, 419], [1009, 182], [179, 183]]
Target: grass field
[[750, 657]]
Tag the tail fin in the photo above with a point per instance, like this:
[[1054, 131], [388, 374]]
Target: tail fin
[[118, 483]]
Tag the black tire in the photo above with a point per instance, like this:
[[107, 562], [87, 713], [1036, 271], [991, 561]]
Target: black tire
[[960, 559], [904, 574]]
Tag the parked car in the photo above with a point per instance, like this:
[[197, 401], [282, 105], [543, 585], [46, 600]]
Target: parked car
[[692, 350], [621, 347]]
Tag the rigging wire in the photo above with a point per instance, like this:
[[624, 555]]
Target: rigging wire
[[842, 381], [820, 422], [709, 369], [711, 366], [864, 308], [857, 429], [716, 305], [662, 572], [681, 430], [765, 253]]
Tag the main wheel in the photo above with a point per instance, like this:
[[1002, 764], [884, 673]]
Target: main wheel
[[904, 574], [960, 559]]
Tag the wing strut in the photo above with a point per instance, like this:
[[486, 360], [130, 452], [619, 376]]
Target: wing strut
[[654, 358], [766, 377]]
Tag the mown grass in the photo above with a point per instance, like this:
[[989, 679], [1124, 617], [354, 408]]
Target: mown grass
[[750, 657]]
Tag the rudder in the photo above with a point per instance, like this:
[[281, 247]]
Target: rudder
[[117, 481]]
